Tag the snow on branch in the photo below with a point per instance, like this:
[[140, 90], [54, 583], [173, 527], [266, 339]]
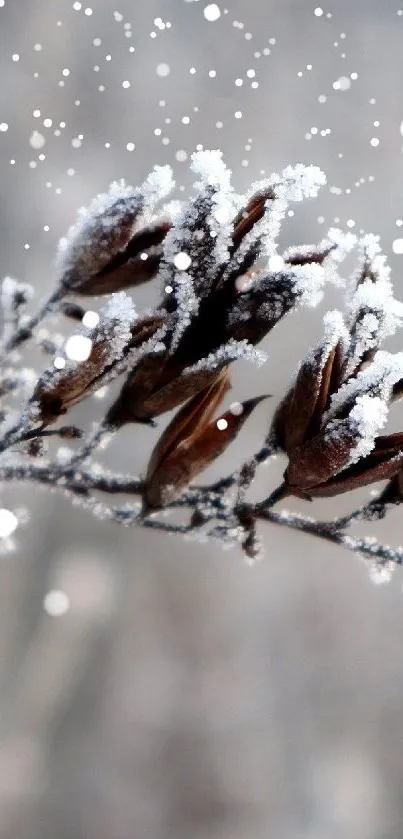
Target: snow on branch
[[223, 287]]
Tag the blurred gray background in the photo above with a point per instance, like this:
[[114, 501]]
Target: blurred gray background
[[185, 695]]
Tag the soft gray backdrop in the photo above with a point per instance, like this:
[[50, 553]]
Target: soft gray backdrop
[[186, 695]]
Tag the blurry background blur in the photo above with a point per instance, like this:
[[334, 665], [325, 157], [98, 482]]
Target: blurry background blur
[[183, 694]]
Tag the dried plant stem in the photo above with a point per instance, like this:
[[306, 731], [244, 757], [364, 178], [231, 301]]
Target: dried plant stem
[[24, 332], [218, 518]]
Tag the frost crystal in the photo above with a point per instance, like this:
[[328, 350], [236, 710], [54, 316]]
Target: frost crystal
[[377, 380], [368, 417], [119, 313], [308, 283]]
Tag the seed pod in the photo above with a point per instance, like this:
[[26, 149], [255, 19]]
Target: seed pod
[[321, 458], [136, 263], [101, 251], [59, 390], [192, 441], [385, 461], [299, 415]]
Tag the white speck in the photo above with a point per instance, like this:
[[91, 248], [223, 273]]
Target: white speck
[[78, 347], [88, 11], [16, 57], [71, 172], [3, 126], [76, 142], [37, 140], [343, 83], [251, 74], [185, 120], [397, 246], [318, 11], [212, 74], [238, 114], [8, 523], [239, 82], [56, 603], [48, 122], [130, 146], [144, 256], [76, 6], [90, 319], [322, 99], [126, 84], [212, 12], [59, 362], [374, 141], [168, 289], [222, 424], [163, 70], [236, 409], [182, 261], [181, 155]]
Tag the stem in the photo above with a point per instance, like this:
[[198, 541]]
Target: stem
[[24, 333], [277, 495]]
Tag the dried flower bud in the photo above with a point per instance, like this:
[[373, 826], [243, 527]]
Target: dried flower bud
[[192, 441], [152, 390], [347, 452], [58, 390], [299, 415], [374, 314], [137, 263], [255, 311], [385, 461], [101, 253]]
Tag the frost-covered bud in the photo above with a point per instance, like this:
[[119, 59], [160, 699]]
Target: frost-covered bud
[[299, 415], [345, 451], [112, 246], [89, 356], [256, 310], [374, 313]]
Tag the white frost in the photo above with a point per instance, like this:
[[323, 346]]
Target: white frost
[[92, 236], [367, 418]]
